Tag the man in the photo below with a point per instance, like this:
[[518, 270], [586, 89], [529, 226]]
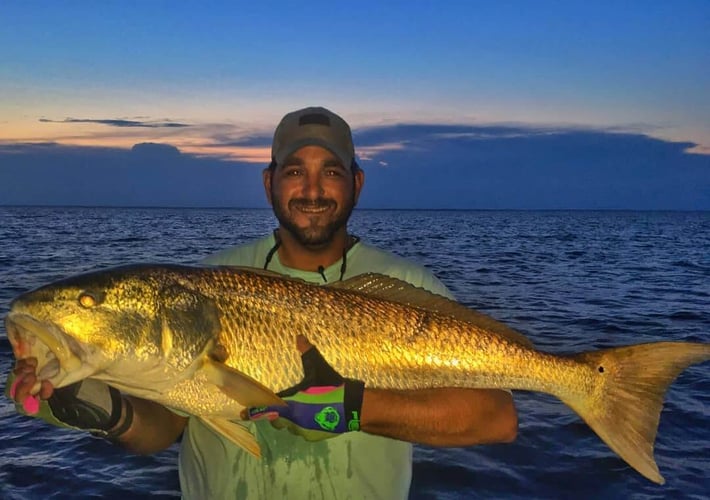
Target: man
[[313, 184]]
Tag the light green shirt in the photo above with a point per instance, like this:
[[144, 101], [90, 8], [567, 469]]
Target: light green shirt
[[355, 465]]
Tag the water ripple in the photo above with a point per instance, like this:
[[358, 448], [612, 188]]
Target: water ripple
[[571, 281]]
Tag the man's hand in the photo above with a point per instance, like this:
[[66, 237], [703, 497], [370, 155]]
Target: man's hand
[[89, 404], [321, 406]]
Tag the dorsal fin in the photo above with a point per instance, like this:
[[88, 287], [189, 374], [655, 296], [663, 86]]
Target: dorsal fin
[[257, 271], [395, 290], [384, 287]]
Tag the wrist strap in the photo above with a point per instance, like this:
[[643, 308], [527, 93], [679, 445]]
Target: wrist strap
[[115, 433], [352, 402]]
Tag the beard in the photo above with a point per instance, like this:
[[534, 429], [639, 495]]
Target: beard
[[318, 232]]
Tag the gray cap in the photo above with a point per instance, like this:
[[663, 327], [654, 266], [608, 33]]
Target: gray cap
[[313, 127]]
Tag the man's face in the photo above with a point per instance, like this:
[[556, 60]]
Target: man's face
[[312, 194]]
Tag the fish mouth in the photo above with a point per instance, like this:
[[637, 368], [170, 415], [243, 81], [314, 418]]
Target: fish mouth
[[61, 360]]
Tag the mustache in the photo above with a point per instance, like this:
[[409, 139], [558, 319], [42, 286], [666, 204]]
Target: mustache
[[311, 203]]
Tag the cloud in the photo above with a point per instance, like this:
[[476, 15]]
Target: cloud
[[369, 152], [406, 166], [119, 123], [160, 151], [146, 175], [500, 167]]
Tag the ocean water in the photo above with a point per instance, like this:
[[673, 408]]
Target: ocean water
[[571, 281]]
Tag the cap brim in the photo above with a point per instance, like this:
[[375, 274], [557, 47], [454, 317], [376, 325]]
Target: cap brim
[[344, 157]]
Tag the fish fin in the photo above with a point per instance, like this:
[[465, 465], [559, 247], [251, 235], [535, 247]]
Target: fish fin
[[624, 405], [239, 386], [260, 272], [234, 432], [395, 290], [385, 287]]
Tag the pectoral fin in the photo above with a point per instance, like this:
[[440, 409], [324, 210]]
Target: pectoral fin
[[240, 386], [236, 433]]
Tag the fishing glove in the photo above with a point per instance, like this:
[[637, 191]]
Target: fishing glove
[[92, 405], [321, 406]]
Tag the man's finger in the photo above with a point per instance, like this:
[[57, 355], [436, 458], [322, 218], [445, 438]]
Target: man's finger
[[46, 389], [267, 412], [23, 366], [23, 385], [303, 344], [317, 371], [13, 387]]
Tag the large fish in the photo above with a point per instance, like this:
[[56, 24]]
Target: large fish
[[213, 340]]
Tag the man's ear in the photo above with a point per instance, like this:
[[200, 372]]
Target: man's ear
[[267, 176], [358, 182]]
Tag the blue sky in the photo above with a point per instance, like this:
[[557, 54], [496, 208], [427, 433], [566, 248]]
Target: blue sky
[[538, 89]]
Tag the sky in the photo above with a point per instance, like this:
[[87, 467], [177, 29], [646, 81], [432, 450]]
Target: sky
[[486, 105]]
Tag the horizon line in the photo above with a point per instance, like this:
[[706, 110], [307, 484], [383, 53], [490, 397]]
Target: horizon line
[[371, 209]]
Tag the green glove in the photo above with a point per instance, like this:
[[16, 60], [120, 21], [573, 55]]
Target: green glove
[[87, 405], [321, 406]]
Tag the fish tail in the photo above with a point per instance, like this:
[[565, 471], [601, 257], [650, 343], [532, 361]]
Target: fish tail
[[624, 401]]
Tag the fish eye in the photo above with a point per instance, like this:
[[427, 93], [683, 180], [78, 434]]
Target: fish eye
[[88, 300]]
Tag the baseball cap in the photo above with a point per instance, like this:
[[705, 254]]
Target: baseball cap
[[313, 126]]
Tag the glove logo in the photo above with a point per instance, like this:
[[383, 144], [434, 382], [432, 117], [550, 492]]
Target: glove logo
[[354, 423], [328, 418]]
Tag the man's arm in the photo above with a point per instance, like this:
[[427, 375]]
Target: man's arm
[[441, 417], [153, 427], [324, 404]]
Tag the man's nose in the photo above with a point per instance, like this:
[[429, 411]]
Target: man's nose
[[313, 187]]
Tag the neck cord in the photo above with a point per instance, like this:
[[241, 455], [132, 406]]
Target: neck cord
[[271, 253], [352, 240]]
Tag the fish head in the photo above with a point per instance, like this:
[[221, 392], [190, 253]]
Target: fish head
[[129, 326]]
